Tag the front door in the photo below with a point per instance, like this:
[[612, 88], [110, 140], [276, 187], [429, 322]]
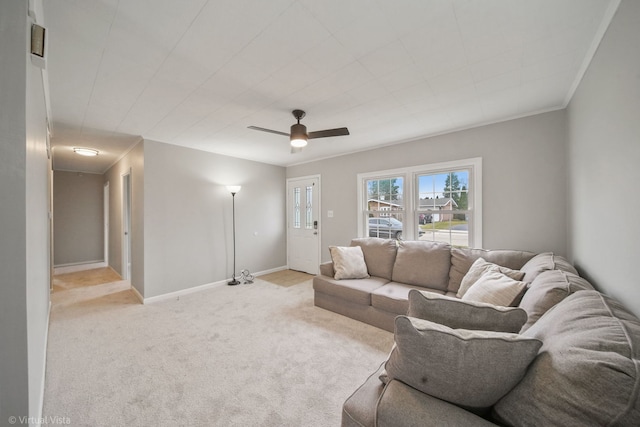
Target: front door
[[303, 224]]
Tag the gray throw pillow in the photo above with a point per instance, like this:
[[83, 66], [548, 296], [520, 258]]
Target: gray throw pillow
[[348, 262], [469, 368], [458, 314]]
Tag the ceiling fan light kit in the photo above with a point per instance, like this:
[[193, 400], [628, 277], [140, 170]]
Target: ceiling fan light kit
[[298, 136]]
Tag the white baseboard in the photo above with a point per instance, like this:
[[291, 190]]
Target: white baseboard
[[72, 268], [137, 294], [272, 270], [199, 288], [44, 366]]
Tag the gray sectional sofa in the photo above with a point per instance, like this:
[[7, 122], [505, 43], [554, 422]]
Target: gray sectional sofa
[[566, 355], [396, 268]]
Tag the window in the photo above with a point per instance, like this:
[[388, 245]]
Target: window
[[439, 202], [384, 207], [442, 207]]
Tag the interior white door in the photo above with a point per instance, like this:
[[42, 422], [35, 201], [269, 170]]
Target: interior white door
[[126, 226], [303, 224]]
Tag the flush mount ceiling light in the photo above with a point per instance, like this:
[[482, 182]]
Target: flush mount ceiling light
[[85, 151]]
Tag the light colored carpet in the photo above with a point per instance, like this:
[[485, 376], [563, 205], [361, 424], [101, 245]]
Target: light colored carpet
[[250, 355]]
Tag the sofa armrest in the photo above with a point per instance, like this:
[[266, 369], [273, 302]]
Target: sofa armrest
[[403, 406], [458, 314], [326, 269]]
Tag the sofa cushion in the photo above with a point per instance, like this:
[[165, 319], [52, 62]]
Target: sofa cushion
[[379, 254], [348, 262], [496, 288], [359, 410], [423, 263], [547, 289], [481, 266], [543, 262], [587, 371], [354, 290], [393, 297], [458, 314], [469, 368], [403, 406], [463, 258]]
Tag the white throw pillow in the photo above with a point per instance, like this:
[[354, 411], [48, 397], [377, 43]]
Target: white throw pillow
[[495, 288], [478, 268], [348, 262]]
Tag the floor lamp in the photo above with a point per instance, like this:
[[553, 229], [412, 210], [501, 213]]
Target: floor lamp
[[234, 189]]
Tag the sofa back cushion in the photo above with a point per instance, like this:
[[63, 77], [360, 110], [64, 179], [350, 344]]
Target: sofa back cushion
[[463, 258], [379, 254], [587, 370], [548, 289], [543, 262], [423, 263]]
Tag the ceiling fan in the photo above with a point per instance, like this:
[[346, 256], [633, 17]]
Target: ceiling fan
[[299, 135]]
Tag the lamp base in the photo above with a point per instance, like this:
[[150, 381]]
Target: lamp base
[[233, 282]]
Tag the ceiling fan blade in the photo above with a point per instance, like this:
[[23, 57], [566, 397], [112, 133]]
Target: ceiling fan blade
[[328, 132], [295, 150], [268, 130]]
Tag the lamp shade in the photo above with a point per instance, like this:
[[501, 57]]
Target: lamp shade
[[233, 189]]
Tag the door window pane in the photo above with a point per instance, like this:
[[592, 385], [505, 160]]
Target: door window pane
[[296, 207], [309, 208]]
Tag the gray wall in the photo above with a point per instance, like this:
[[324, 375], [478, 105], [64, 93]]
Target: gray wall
[[524, 190], [78, 235], [603, 133], [188, 223], [132, 163], [24, 235]]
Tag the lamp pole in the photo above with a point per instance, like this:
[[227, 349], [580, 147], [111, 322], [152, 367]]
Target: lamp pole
[[234, 189]]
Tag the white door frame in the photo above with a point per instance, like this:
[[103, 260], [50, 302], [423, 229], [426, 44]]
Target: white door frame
[[126, 224], [289, 209], [105, 205]]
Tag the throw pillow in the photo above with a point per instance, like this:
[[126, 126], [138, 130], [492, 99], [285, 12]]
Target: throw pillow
[[458, 314], [478, 268], [469, 368], [348, 262], [495, 288]]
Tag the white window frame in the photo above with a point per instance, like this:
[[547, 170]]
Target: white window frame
[[409, 176]]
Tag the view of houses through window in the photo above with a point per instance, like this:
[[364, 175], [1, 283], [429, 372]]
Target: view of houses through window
[[443, 202], [385, 207], [422, 203]]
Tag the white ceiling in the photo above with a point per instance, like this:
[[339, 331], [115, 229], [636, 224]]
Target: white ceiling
[[196, 73]]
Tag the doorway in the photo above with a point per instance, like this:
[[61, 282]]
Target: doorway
[[303, 224], [105, 216], [126, 226]]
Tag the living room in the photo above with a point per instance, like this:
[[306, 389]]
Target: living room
[[541, 176]]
